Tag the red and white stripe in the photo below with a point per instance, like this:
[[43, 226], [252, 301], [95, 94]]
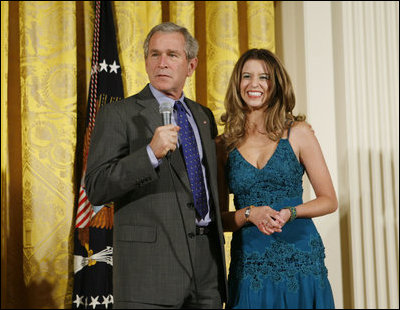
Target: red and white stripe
[[85, 211]]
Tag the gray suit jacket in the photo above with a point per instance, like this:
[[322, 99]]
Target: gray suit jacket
[[152, 244]]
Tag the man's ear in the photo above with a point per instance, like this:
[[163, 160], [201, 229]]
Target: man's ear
[[192, 65]]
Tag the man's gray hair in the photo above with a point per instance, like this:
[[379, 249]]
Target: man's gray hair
[[191, 44]]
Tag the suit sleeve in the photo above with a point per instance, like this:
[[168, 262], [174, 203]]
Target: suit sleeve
[[113, 169]]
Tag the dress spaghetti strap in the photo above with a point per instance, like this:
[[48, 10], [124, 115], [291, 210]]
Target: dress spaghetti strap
[[290, 127]]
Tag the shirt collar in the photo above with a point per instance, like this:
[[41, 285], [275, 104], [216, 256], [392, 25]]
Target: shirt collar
[[161, 97]]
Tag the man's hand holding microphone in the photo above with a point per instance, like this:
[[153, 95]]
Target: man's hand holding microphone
[[165, 137]]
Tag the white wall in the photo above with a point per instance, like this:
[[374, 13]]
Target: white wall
[[343, 60]]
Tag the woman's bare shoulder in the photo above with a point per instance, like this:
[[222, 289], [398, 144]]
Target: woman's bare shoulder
[[301, 129]]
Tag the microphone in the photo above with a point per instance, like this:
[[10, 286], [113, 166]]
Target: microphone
[[166, 109]]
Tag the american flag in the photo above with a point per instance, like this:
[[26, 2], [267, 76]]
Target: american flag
[[93, 230]]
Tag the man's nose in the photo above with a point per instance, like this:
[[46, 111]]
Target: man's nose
[[163, 61]]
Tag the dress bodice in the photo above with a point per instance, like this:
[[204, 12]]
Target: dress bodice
[[280, 179]]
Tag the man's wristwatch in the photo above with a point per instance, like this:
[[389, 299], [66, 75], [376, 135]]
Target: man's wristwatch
[[247, 213]]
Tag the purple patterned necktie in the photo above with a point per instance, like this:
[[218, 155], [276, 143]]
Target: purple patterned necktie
[[192, 160]]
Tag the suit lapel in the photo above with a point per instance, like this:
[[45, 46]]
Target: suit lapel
[[151, 114], [150, 109], [178, 165]]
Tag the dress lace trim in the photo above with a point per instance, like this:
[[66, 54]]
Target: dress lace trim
[[282, 261]]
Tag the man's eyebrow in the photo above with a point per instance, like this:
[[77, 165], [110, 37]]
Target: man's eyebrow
[[167, 51]]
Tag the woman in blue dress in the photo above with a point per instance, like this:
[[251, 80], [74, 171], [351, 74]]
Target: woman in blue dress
[[277, 255]]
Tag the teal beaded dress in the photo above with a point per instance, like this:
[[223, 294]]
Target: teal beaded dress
[[286, 269]]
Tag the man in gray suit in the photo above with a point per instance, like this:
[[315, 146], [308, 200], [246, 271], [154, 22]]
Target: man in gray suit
[[168, 236]]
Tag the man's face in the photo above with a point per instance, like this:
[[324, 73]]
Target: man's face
[[167, 65]]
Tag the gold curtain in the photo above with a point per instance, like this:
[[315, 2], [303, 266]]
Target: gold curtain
[[5, 172], [45, 70]]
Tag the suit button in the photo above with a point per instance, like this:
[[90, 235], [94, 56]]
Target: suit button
[[191, 235], [190, 205]]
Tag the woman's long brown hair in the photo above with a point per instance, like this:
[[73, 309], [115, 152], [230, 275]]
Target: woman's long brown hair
[[280, 100]]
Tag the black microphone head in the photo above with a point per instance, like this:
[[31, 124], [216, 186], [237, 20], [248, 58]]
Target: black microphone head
[[166, 109]]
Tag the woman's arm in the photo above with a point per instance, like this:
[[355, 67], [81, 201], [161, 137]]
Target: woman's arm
[[306, 146]]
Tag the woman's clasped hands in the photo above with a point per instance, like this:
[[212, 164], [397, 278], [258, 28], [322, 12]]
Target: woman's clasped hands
[[268, 220]]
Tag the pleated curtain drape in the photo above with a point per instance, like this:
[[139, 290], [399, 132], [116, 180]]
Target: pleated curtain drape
[[45, 70]]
